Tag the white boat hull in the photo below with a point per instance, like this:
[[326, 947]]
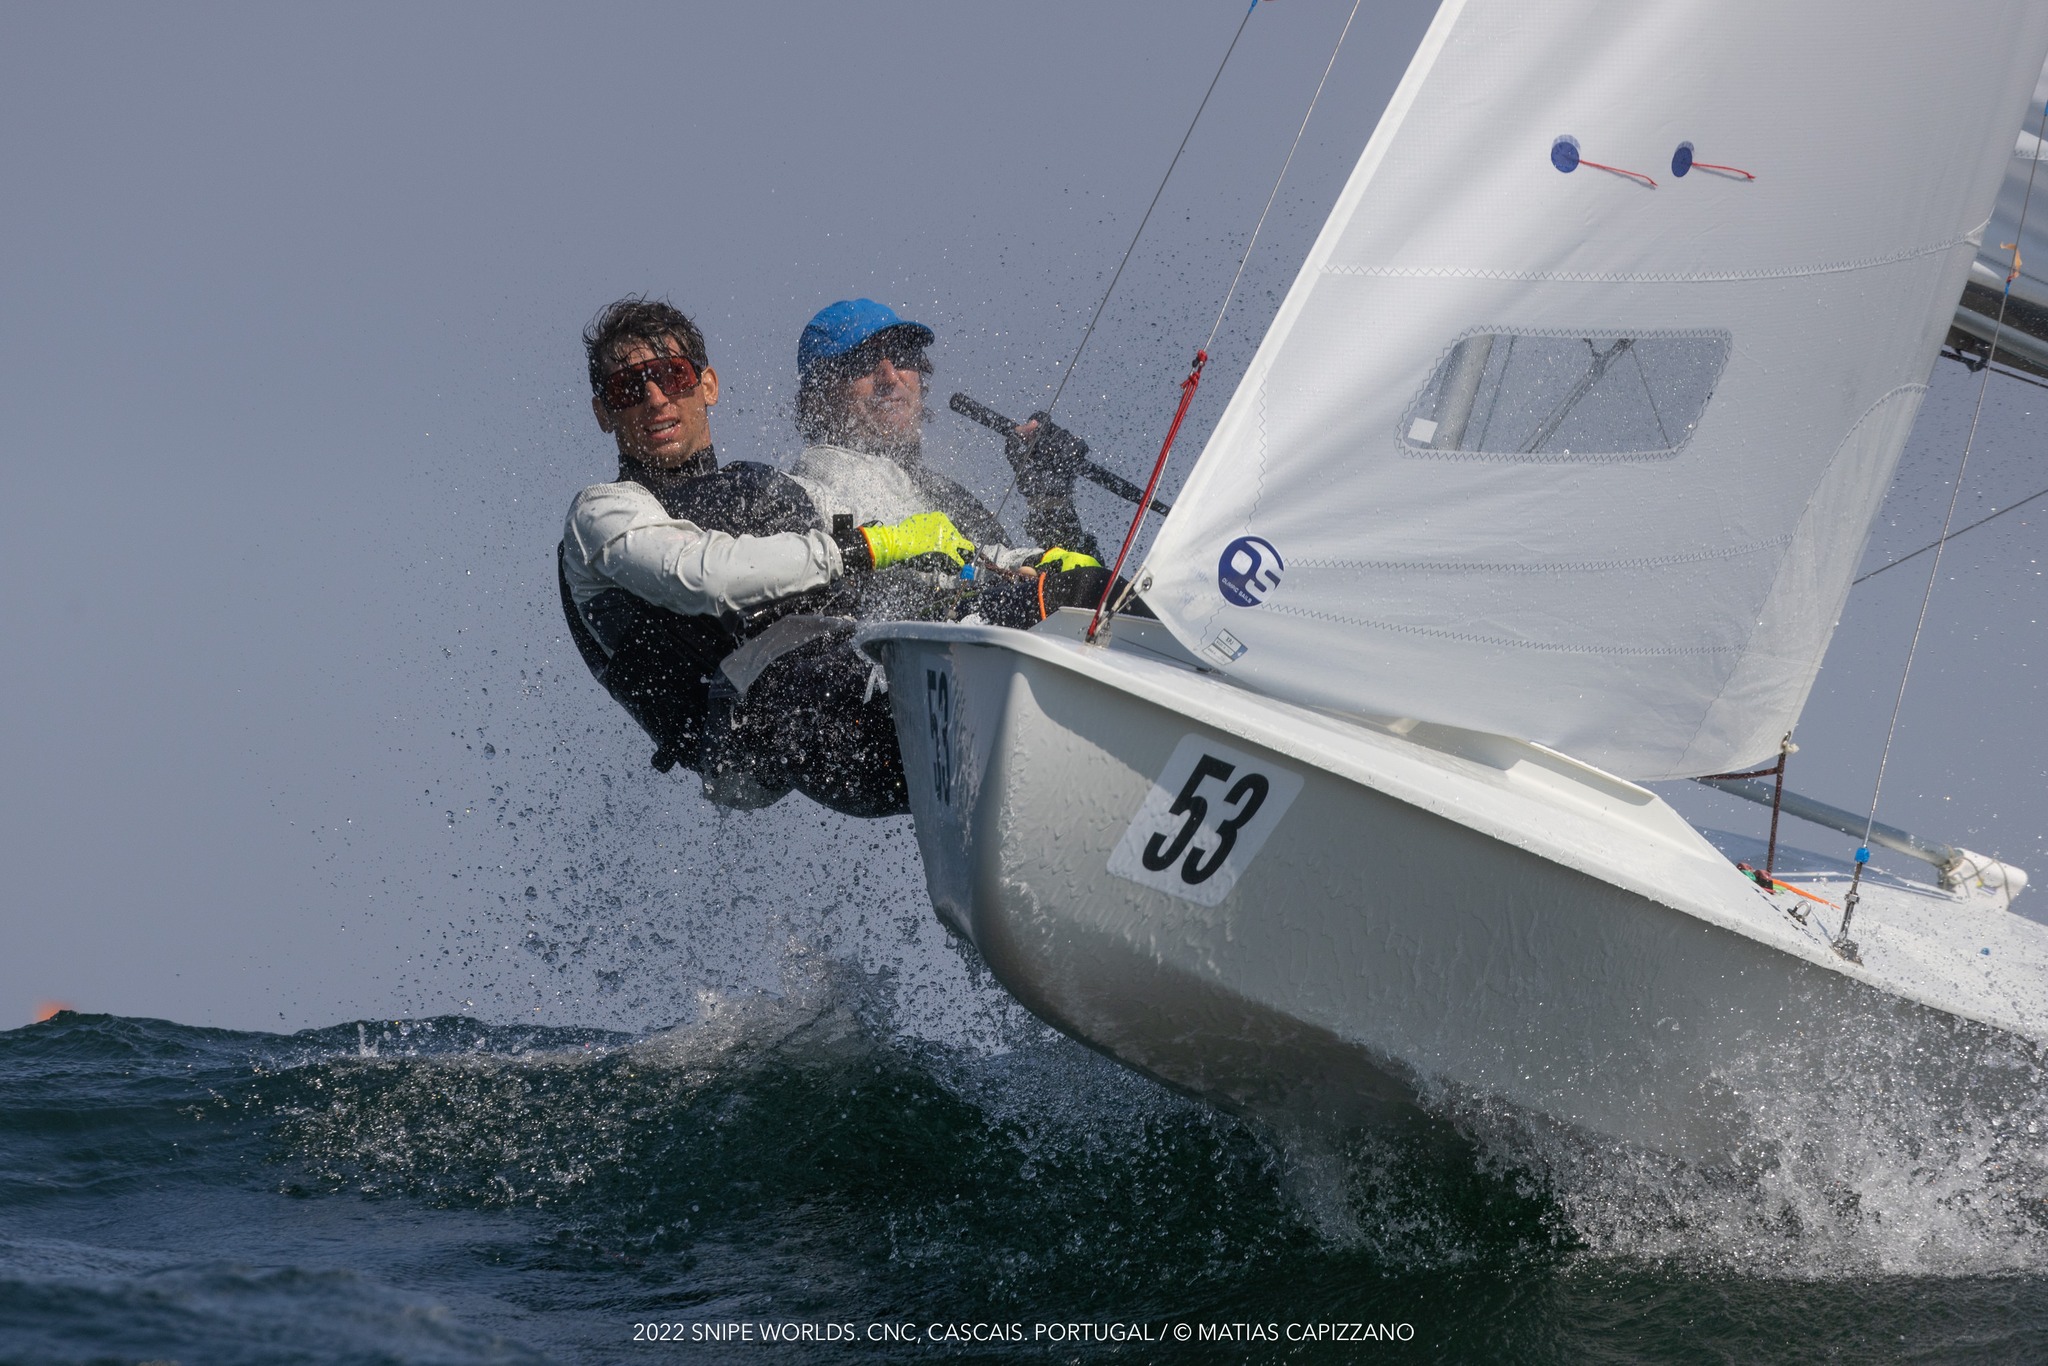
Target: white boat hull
[[1434, 914]]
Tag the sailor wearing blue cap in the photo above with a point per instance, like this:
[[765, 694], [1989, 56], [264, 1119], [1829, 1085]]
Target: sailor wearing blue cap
[[861, 408], [840, 328]]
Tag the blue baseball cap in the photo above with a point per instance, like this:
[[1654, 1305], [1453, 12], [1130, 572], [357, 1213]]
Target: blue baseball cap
[[837, 328]]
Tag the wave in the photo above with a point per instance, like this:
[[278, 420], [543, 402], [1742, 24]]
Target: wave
[[801, 1123], [798, 1147]]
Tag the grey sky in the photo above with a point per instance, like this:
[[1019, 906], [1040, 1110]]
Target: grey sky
[[291, 406]]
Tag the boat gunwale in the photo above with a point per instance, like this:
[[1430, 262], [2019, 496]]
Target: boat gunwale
[[1180, 688]]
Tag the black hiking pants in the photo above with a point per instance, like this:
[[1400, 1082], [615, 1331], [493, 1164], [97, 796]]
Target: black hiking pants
[[816, 720]]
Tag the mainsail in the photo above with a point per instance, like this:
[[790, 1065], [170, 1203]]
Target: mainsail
[[1535, 448]]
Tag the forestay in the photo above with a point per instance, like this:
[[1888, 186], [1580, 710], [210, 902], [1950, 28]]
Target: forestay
[[1535, 448]]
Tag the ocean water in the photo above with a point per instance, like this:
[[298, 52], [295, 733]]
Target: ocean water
[[890, 1164]]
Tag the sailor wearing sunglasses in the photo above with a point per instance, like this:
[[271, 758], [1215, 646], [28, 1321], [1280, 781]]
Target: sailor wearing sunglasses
[[861, 391], [711, 601]]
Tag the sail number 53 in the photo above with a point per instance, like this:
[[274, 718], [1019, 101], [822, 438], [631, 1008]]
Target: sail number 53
[[1204, 821]]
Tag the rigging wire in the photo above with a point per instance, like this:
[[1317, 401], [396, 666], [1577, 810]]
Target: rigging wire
[[1253, 240], [1894, 564], [2009, 507], [2024, 379], [1973, 365], [1103, 302], [1843, 944], [1105, 609]]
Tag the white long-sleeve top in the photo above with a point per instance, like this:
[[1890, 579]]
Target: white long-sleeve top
[[869, 488], [874, 488], [619, 536]]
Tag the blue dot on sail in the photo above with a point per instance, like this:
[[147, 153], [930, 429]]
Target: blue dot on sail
[[1564, 153], [1681, 160]]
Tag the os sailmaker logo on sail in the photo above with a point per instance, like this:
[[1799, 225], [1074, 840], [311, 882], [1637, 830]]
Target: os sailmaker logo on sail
[[1249, 570]]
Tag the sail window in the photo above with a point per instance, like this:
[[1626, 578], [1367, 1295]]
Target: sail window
[[1558, 395]]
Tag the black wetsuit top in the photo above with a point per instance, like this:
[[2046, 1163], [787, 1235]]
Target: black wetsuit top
[[656, 663]]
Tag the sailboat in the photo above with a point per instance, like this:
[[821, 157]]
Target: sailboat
[[1548, 480]]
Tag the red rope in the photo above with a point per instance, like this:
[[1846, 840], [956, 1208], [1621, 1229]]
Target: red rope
[[1616, 170], [1730, 170], [1187, 396]]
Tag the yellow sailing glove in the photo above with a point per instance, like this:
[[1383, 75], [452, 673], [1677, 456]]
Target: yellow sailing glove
[[928, 533], [1063, 560]]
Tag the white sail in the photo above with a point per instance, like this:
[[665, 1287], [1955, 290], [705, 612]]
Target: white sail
[[1555, 454]]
